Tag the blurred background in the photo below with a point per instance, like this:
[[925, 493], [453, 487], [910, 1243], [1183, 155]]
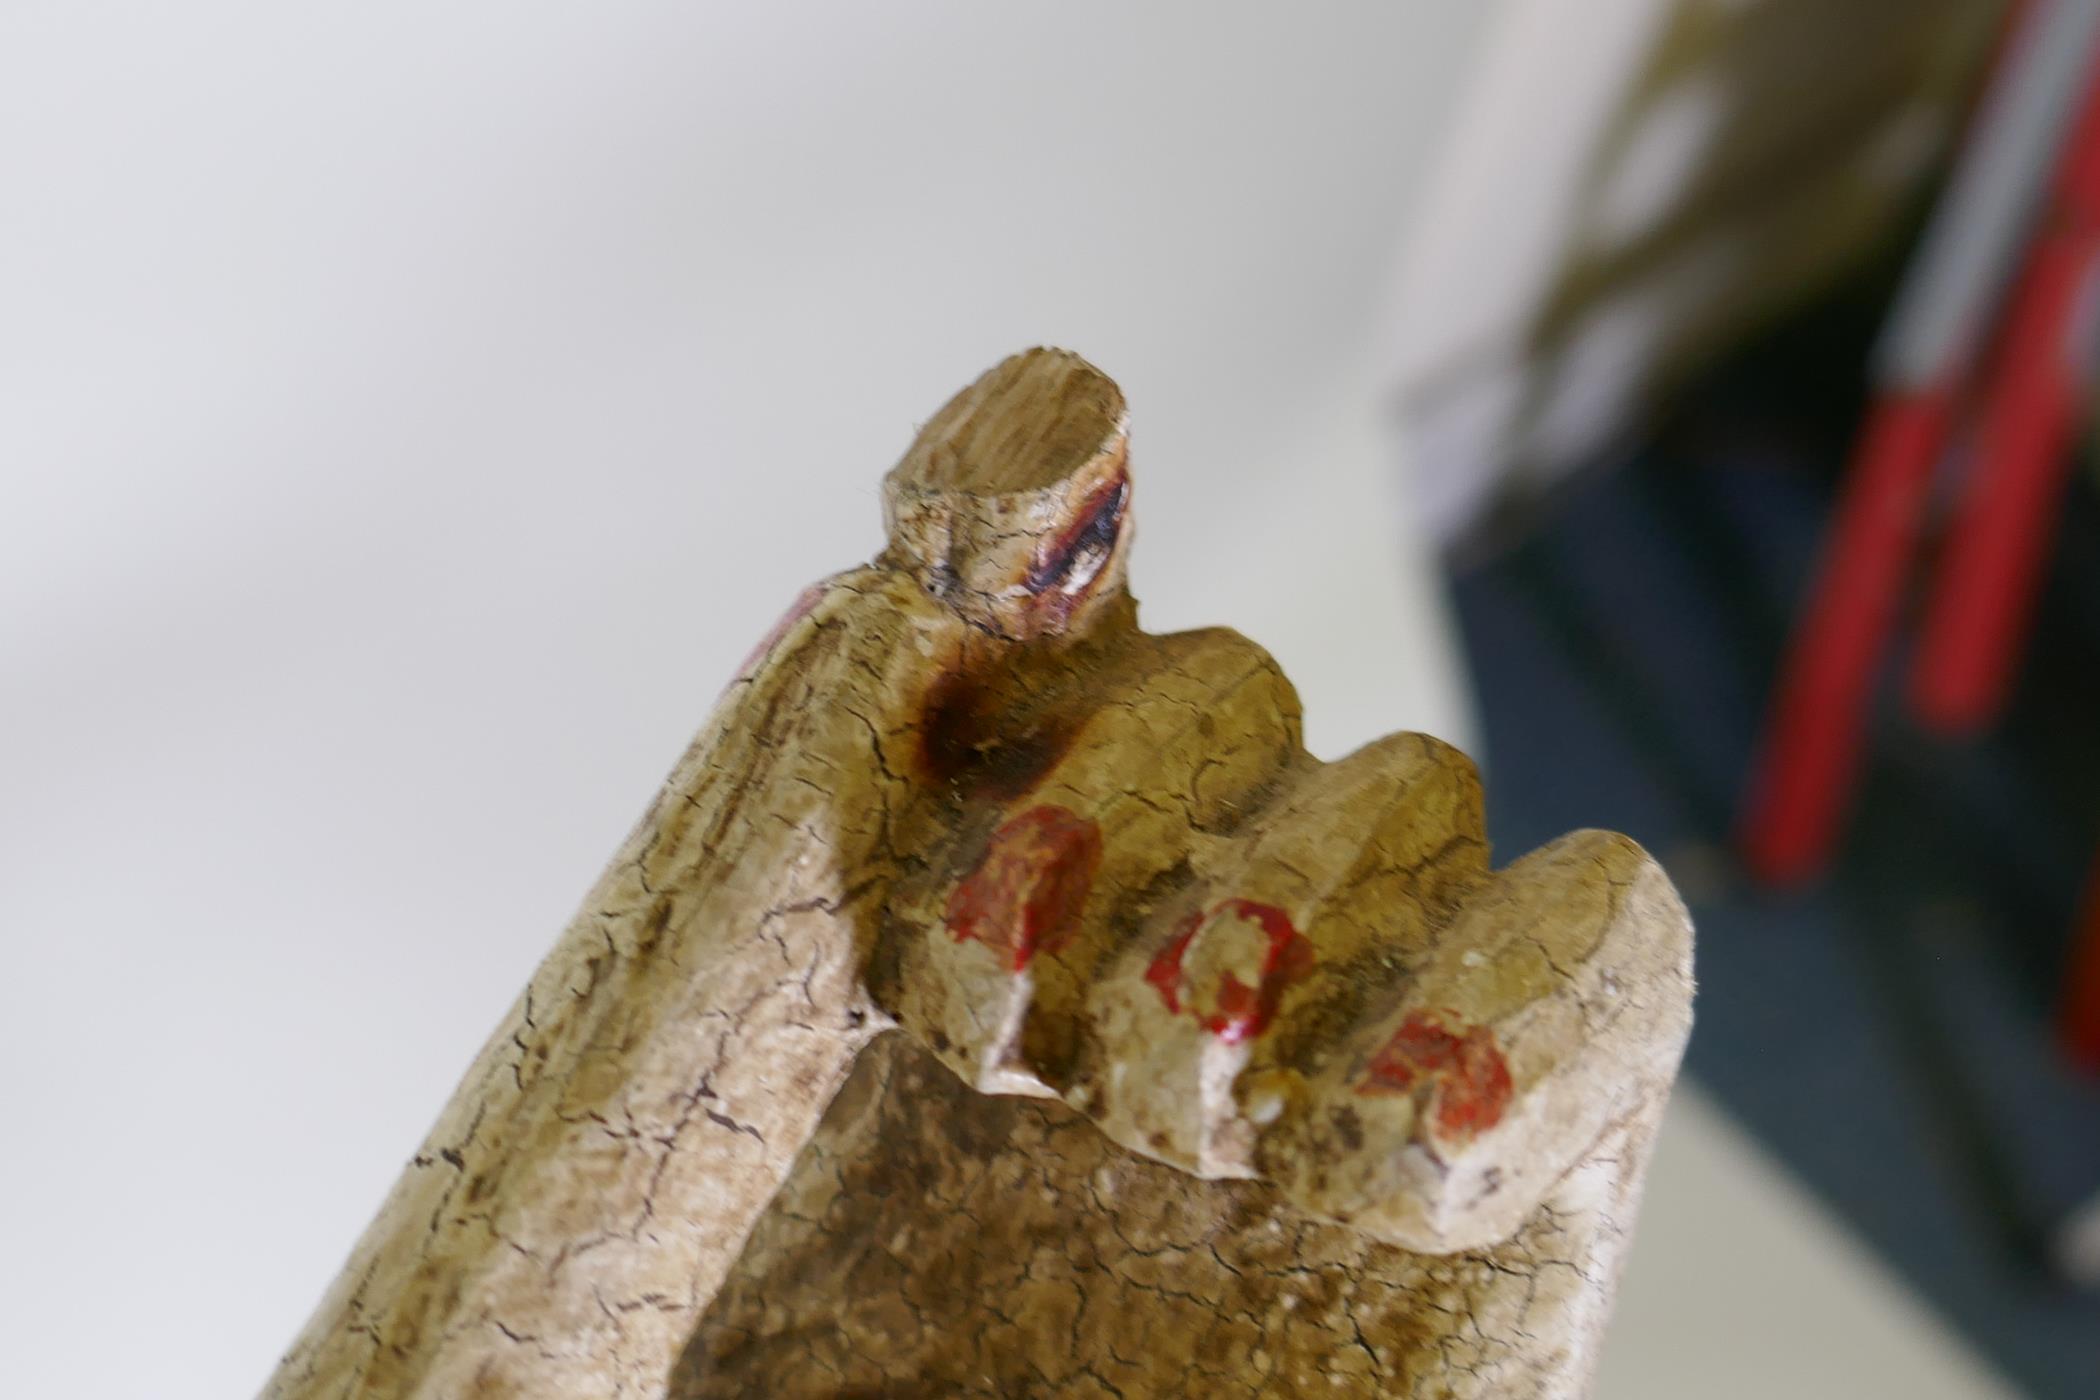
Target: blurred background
[[409, 415]]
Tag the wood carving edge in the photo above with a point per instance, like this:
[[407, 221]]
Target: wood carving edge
[[959, 792]]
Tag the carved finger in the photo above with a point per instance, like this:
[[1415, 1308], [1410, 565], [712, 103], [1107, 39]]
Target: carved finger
[[1339, 997], [1265, 953], [1443, 1118], [991, 950]]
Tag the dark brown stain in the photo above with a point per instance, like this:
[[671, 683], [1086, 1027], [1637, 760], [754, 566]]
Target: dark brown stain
[[980, 748], [1349, 1128], [654, 923]]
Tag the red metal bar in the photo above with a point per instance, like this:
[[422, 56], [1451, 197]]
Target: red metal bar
[[2078, 1013], [2034, 397], [1818, 722]]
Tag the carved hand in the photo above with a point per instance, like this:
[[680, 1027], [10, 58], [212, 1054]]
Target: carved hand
[[961, 793]]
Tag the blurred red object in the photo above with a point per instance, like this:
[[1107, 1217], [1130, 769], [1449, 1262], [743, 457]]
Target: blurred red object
[[1819, 711], [2032, 404], [2078, 1014], [1816, 731]]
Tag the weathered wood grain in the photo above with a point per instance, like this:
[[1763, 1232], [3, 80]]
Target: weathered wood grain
[[1343, 1109]]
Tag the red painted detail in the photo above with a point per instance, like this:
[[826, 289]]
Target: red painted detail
[[1164, 972], [1085, 543], [1066, 569], [1026, 893], [1236, 1011], [1460, 1068], [799, 609]]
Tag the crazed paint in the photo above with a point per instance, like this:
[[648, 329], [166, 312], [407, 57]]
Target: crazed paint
[[1026, 893], [797, 610], [1461, 1067], [1238, 1012]]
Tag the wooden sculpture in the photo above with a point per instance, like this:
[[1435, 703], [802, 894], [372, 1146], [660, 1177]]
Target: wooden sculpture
[[999, 1000]]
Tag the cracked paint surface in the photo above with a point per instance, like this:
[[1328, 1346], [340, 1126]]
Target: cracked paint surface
[[1374, 1114], [1028, 891], [582, 1195], [937, 1241]]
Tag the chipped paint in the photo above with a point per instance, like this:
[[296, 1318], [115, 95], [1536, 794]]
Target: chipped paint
[[1461, 1068], [1026, 894], [626, 1140], [1240, 935]]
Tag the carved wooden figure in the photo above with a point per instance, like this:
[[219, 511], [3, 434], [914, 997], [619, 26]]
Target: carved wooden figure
[[999, 1000]]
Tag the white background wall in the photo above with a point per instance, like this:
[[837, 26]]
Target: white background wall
[[410, 413]]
